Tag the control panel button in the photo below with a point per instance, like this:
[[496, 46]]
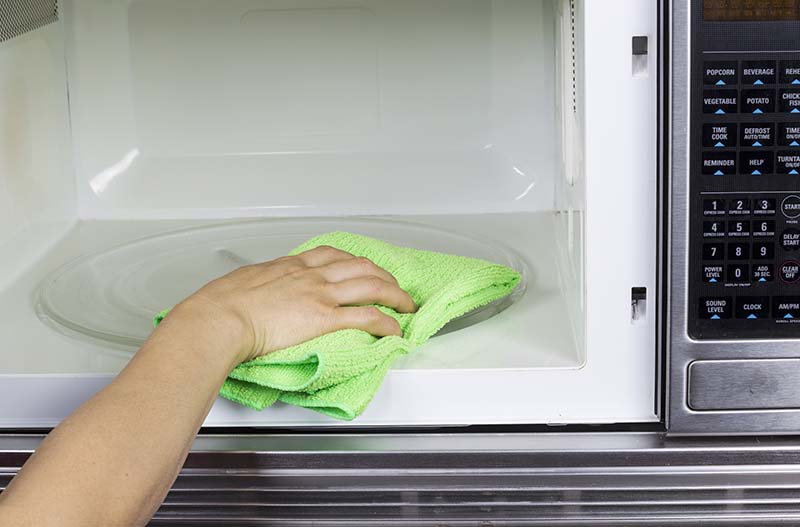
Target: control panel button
[[790, 206], [758, 135], [719, 135], [763, 273], [713, 229], [759, 72], [764, 228], [764, 250], [720, 73], [789, 134], [713, 251], [713, 207], [739, 207], [738, 273], [790, 271], [790, 72], [720, 102], [789, 100], [786, 307], [716, 308], [739, 228], [738, 251], [758, 101], [790, 239], [719, 163], [752, 307], [788, 163], [757, 163], [764, 207], [713, 274]]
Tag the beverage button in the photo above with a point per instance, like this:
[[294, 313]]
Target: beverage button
[[764, 207], [790, 239], [752, 307], [759, 72], [738, 273], [786, 307], [790, 72], [758, 101], [763, 273], [720, 73], [758, 135], [739, 207], [764, 228], [719, 163], [713, 207], [789, 100], [790, 206], [713, 251], [713, 229], [713, 274], [739, 228], [789, 134], [790, 271], [720, 102], [721, 135], [715, 308], [757, 163], [764, 250], [788, 163], [738, 251]]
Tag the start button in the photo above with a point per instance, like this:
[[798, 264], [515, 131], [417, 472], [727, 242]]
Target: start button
[[791, 206]]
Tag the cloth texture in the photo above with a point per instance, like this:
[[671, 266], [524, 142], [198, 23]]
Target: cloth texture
[[339, 373]]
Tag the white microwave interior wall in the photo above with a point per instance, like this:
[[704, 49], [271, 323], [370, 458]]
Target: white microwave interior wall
[[133, 118]]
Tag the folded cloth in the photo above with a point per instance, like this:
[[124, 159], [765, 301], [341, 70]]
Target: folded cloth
[[338, 374]]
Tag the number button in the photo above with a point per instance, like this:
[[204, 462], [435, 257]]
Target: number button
[[739, 273], [764, 207], [764, 228], [738, 229], [738, 251], [713, 229], [713, 251], [739, 207], [713, 207], [764, 250]]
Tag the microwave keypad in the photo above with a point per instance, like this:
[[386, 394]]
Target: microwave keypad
[[745, 217]]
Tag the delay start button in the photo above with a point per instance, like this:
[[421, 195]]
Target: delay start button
[[790, 271], [791, 206], [790, 239]]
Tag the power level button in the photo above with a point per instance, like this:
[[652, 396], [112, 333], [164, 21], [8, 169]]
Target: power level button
[[791, 206]]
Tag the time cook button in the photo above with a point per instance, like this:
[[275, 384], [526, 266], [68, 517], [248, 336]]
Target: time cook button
[[791, 206]]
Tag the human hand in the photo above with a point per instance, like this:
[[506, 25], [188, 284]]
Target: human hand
[[277, 304]]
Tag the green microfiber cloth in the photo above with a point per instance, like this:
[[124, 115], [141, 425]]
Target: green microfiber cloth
[[337, 374]]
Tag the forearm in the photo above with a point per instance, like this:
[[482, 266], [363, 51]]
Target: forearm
[[124, 447]]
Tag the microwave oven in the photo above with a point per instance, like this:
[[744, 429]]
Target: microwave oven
[[635, 161]]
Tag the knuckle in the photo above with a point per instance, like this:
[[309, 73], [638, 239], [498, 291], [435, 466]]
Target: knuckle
[[372, 314]]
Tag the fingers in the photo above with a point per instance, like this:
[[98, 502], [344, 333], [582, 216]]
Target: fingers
[[368, 290], [355, 268], [368, 319], [323, 255]]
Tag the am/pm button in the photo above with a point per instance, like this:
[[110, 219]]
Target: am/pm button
[[786, 307]]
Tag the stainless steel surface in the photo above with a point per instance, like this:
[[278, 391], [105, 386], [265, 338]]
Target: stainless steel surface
[[17, 17], [476, 480], [681, 419], [744, 384]]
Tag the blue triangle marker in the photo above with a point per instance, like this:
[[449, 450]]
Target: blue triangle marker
[[758, 82], [720, 112], [757, 143], [715, 317], [794, 143], [796, 110], [713, 280], [756, 172], [788, 315], [757, 111], [751, 317], [719, 173], [720, 82], [719, 145], [796, 81], [762, 279], [794, 172]]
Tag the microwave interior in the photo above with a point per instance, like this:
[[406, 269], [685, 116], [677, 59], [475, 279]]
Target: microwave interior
[[148, 146]]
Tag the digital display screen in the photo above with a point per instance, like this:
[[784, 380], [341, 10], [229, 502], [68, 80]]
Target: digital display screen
[[751, 10]]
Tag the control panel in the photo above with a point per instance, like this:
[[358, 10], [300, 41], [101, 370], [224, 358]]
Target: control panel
[[744, 202]]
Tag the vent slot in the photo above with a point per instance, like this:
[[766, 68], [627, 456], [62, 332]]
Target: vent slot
[[18, 17], [573, 52]]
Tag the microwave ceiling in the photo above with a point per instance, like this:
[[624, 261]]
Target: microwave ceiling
[[18, 17]]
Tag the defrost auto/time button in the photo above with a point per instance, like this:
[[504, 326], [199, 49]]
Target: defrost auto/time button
[[758, 135]]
